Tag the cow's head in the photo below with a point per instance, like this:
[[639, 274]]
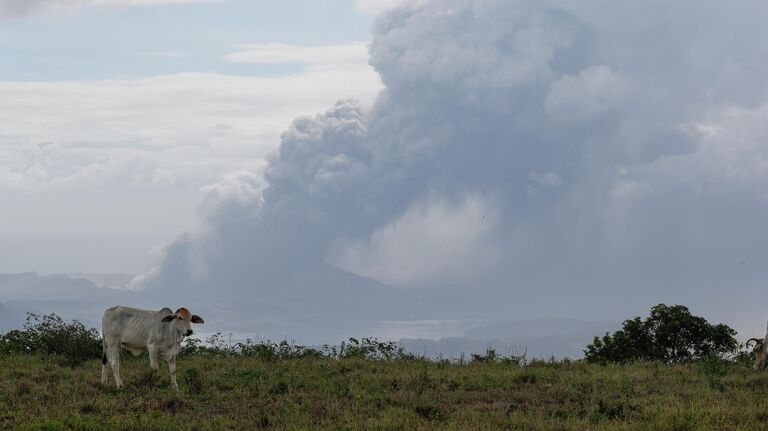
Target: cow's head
[[182, 320], [759, 351]]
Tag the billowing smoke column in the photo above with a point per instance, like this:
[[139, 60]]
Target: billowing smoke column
[[547, 155]]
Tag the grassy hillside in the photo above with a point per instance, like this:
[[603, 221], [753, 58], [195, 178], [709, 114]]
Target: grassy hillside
[[37, 392]]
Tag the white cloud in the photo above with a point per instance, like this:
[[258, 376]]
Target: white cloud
[[88, 159], [21, 7], [378, 6], [163, 129], [142, 2], [278, 53]]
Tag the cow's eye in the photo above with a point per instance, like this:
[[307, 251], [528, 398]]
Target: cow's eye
[[179, 317]]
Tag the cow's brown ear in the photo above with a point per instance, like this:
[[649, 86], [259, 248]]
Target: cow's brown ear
[[168, 318], [197, 319]]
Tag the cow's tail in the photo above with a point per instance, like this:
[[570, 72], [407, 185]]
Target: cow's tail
[[103, 349]]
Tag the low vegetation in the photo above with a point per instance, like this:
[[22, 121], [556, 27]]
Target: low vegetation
[[367, 384], [219, 392]]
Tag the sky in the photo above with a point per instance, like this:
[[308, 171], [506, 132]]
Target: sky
[[115, 114], [485, 157]]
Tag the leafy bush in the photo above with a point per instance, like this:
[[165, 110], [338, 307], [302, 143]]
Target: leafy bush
[[216, 346], [493, 357], [671, 334], [365, 348], [50, 335]]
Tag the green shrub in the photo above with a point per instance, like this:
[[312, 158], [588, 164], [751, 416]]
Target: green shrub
[[49, 334], [367, 348]]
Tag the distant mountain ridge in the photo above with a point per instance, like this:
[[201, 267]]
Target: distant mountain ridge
[[32, 286], [537, 338], [71, 298], [550, 327], [111, 280], [314, 305]]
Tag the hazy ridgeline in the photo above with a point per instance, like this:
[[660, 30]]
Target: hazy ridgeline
[[423, 325]]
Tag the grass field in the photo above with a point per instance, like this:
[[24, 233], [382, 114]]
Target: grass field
[[246, 393]]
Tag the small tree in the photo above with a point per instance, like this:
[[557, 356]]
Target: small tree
[[73, 342], [670, 334]]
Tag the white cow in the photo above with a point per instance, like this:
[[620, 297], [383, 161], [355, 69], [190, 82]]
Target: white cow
[[158, 332]]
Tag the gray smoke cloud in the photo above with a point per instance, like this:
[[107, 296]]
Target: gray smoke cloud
[[524, 157]]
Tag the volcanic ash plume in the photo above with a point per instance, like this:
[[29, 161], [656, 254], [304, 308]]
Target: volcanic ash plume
[[536, 154]]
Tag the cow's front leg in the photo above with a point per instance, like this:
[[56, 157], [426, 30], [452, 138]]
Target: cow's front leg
[[154, 362], [172, 369], [154, 357]]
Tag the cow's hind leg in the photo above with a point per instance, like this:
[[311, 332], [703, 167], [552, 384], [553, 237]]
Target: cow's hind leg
[[113, 355], [104, 371]]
